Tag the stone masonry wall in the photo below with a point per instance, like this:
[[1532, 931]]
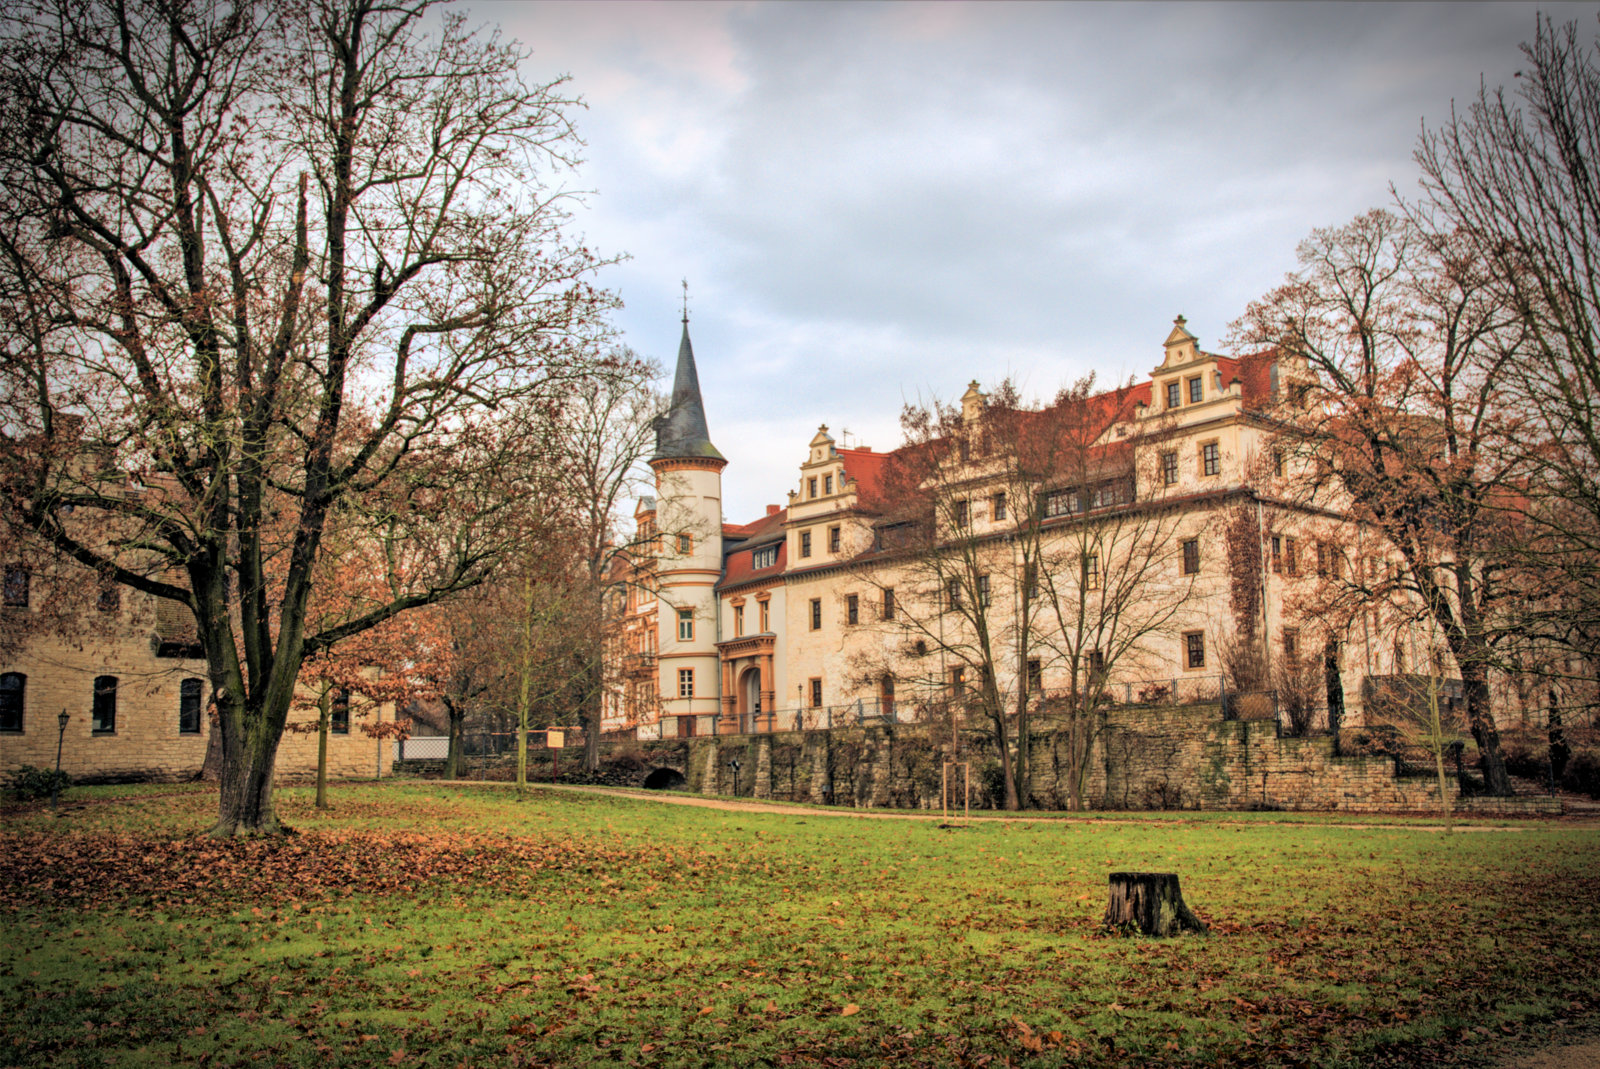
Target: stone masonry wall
[[1142, 758]]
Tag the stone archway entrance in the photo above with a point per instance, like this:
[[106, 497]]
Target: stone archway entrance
[[665, 779], [750, 708], [748, 701]]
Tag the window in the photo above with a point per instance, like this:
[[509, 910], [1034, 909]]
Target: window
[[983, 591], [685, 545], [827, 484], [766, 616], [886, 694], [686, 682], [833, 539], [1174, 395], [1035, 675], [1090, 574], [816, 614], [1097, 661], [1191, 556], [103, 720], [738, 620], [958, 680], [16, 587], [685, 625], [1030, 580], [1169, 468], [13, 689], [811, 486], [1277, 462], [997, 507], [920, 648], [1210, 459], [1290, 567], [805, 543], [852, 609], [110, 598], [962, 508], [1291, 643], [1277, 553], [189, 707], [952, 593], [888, 603], [816, 693], [339, 713], [1194, 649], [765, 557], [1196, 390], [1063, 502]]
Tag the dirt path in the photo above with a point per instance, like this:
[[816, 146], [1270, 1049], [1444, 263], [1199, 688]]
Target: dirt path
[[704, 802], [1570, 1056]]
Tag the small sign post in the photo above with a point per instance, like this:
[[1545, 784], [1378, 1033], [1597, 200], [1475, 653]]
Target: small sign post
[[556, 740]]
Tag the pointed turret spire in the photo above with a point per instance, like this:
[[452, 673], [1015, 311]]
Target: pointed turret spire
[[682, 432]]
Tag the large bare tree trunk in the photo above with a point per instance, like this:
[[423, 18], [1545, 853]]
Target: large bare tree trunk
[[1480, 718], [452, 761], [244, 806]]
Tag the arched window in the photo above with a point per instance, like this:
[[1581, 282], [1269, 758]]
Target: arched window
[[189, 707], [13, 688], [104, 720]]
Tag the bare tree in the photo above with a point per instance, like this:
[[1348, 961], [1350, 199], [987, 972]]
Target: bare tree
[[1028, 544], [1399, 420], [606, 429], [1515, 175], [282, 268]]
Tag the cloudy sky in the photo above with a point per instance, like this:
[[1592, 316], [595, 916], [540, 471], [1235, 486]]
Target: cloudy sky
[[874, 203]]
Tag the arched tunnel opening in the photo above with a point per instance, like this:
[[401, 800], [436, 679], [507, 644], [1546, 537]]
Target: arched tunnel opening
[[665, 779]]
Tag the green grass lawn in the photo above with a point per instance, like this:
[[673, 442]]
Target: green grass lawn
[[425, 924]]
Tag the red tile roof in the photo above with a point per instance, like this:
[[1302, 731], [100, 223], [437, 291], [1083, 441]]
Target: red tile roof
[[866, 468], [1254, 373]]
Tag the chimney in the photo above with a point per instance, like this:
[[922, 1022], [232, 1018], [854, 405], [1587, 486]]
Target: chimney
[[773, 510]]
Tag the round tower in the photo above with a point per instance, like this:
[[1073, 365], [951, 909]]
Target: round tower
[[689, 524]]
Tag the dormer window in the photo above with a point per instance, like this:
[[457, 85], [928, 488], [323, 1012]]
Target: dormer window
[[1196, 390], [1174, 396], [827, 485], [811, 486], [765, 557]]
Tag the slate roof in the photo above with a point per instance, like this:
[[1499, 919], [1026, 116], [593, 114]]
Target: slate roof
[[682, 432]]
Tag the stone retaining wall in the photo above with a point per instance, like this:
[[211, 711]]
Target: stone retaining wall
[[1141, 758]]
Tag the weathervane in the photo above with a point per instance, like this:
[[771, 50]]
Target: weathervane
[[685, 302]]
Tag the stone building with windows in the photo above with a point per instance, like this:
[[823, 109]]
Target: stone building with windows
[[821, 611], [126, 671]]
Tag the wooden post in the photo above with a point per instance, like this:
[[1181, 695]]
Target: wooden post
[[1150, 902]]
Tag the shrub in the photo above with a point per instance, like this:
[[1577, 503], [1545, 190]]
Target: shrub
[[1583, 774], [1525, 762], [29, 783]]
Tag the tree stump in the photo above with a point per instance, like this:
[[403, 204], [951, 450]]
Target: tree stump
[[1150, 902]]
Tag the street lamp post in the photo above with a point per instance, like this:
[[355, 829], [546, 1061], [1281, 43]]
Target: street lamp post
[[734, 764], [55, 781]]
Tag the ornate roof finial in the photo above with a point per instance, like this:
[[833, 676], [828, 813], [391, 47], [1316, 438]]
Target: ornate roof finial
[[685, 302]]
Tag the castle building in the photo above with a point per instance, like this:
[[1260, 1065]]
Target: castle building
[[1157, 545]]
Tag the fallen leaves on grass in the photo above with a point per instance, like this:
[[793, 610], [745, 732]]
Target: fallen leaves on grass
[[123, 868]]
